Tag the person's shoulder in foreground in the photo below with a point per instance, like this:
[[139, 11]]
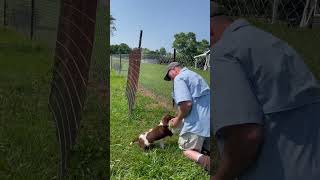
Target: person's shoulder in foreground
[[266, 107], [277, 73]]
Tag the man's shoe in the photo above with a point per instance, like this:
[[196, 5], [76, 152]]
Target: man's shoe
[[204, 161]]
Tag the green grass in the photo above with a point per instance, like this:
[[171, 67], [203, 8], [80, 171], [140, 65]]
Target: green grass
[[89, 156], [28, 143], [129, 162]]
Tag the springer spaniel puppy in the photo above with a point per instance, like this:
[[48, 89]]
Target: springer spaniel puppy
[[156, 134]]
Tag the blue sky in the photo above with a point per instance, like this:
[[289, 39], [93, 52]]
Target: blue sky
[[159, 20]]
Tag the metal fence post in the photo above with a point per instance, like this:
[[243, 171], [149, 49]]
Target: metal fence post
[[32, 19], [140, 39], [4, 13], [111, 61], [120, 65]]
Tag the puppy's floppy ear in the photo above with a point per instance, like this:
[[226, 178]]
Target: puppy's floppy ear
[[165, 119], [141, 144]]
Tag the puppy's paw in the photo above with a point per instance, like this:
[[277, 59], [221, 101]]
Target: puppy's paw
[[161, 144]]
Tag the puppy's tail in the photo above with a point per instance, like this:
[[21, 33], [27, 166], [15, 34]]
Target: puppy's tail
[[134, 141]]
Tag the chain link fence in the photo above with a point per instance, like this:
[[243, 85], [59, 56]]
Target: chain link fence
[[120, 63], [302, 13], [152, 71], [34, 18], [76, 34], [79, 80], [133, 77]]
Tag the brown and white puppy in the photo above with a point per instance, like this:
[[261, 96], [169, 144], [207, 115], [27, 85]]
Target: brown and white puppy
[[156, 134]]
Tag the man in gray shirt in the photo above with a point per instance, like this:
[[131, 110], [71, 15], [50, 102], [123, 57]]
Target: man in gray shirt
[[266, 105]]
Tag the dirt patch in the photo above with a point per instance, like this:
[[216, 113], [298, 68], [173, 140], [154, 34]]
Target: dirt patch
[[161, 102]]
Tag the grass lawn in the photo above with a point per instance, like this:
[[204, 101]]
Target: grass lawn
[[129, 162], [89, 156], [28, 143]]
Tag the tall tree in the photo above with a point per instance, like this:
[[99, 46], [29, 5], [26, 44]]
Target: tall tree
[[124, 48], [114, 49], [187, 47], [162, 51], [120, 49], [145, 51], [185, 43], [202, 46]]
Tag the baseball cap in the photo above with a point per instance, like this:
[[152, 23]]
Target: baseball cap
[[169, 67]]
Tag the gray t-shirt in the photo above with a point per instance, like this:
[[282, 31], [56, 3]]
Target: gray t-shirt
[[257, 78]]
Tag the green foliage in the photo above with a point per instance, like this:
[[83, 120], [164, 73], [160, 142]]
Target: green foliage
[[155, 53], [145, 50], [128, 161], [187, 47], [28, 141], [89, 159], [161, 55], [202, 46], [120, 49], [185, 43], [162, 51]]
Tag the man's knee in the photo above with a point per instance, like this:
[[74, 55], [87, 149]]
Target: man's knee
[[190, 141]]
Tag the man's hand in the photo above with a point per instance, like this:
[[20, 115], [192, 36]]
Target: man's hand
[[241, 146], [175, 122], [183, 110]]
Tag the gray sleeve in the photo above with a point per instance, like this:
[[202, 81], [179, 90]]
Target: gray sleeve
[[233, 100]]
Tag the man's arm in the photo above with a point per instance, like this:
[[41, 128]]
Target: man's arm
[[241, 147], [183, 110]]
